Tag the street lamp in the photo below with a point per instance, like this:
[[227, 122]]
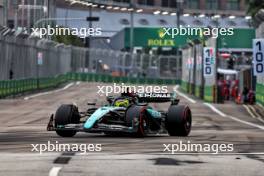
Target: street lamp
[[179, 11], [131, 31], [216, 97], [5, 12]]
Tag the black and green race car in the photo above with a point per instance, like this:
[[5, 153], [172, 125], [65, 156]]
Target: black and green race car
[[129, 113]]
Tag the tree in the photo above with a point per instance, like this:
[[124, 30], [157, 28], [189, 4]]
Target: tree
[[68, 40], [254, 6]]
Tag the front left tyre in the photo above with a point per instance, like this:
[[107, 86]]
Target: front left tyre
[[138, 113], [66, 114]]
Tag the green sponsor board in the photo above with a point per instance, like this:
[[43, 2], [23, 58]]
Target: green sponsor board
[[242, 38], [158, 37]]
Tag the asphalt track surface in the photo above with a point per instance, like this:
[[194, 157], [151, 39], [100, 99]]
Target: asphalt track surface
[[23, 122]]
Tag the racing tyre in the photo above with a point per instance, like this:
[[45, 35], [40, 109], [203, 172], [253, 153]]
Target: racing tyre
[[138, 112], [179, 120], [66, 114]]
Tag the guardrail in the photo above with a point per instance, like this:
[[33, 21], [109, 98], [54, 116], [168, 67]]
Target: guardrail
[[16, 87], [91, 77], [205, 93]]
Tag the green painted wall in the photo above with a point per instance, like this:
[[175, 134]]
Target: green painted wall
[[208, 93], [184, 86], [197, 91], [260, 93]]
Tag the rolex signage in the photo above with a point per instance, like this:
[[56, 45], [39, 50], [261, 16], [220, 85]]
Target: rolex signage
[[155, 37], [160, 40]]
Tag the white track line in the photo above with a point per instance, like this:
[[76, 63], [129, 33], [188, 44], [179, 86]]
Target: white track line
[[218, 111], [215, 110], [233, 118], [54, 171], [183, 95], [50, 92], [247, 123]]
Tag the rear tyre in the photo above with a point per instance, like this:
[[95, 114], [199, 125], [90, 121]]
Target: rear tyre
[[179, 120], [66, 114]]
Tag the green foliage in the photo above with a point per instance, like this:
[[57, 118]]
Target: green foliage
[[254, 6], [68, 40]]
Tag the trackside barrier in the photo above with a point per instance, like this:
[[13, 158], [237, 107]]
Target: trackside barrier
[[208, 93], [260, 93], [205, 93], [91, 77], [14, 87]]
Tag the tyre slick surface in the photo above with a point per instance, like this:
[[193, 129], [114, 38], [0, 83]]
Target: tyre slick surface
[[179, 120], [66, 114]]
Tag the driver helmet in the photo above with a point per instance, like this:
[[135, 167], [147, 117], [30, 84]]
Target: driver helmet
[[121, 103]]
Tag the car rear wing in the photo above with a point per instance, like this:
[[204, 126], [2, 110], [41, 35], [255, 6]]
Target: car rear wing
[[157, 97]]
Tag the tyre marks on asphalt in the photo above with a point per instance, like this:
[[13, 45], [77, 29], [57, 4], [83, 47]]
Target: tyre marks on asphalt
[[172, 161], [37, 110], [217, 111], [253, 113], [233, 118], [63, 159]]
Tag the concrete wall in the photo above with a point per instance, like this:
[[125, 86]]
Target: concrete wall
[[187, 55], [1, 13], [260, 79], [192, 72]]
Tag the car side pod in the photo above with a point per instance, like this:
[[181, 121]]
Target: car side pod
[[98, 114]]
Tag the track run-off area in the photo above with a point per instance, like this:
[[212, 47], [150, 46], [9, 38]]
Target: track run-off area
[[23, 122]]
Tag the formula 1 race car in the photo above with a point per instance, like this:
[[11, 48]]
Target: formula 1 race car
[[129, 113]]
